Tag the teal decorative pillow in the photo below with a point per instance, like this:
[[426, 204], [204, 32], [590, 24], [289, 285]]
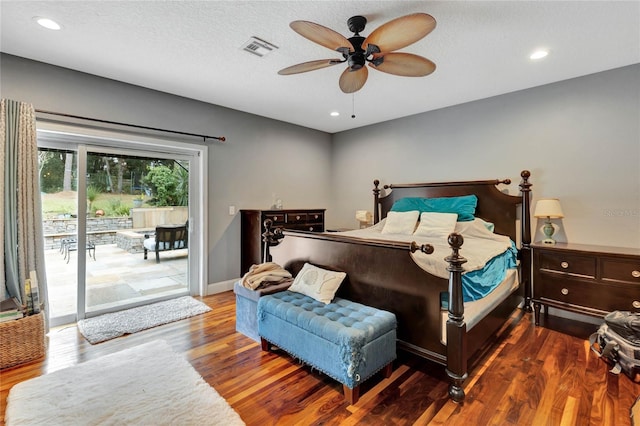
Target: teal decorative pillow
[[464, 206]]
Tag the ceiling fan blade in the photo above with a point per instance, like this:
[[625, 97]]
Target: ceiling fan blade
[[404, 64], [401, 32], [352, 81], [322, 35], [308, 66]]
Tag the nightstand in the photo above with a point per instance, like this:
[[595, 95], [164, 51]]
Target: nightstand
[[586, 279]]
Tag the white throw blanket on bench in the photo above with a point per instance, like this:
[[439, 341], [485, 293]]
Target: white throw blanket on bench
[[263, 273]]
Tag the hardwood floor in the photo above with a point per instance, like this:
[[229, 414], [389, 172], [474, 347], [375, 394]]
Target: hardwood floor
[[530, 376]]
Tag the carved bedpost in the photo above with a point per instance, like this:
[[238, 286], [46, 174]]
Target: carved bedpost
[[270, 238], [456, 327], [376, 200], [525, 250]]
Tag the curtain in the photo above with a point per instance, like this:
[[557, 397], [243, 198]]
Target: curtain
[[22, 233]]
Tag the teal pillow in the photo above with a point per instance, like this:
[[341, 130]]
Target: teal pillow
[[464, 206]]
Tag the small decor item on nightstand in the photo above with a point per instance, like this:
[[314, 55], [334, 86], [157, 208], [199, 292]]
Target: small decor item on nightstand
[[364, 217], [548, 208]]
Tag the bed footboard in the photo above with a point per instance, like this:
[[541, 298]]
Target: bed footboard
[[381, 274]]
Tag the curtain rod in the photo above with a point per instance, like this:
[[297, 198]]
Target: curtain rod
[[204, 137]]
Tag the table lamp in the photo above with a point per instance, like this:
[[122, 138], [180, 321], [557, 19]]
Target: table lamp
[[548, 208]]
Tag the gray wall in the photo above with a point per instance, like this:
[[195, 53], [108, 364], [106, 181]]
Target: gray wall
[[255, 162], [580, 139]]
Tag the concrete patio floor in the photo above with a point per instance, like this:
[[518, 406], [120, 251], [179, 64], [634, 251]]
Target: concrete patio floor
[[113, 278]]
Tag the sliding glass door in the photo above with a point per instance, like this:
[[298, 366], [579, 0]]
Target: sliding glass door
[[102, 205], [58, 186]]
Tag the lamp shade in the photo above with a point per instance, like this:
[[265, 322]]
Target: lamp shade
[[548, 207]]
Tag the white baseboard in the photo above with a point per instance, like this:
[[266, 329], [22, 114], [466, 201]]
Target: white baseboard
[[221, 286]]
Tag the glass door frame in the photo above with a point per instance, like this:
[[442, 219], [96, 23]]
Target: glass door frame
[[83, 140]]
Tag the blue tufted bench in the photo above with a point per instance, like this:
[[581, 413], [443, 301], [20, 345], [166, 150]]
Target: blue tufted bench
[[247, 307], [347, 341]]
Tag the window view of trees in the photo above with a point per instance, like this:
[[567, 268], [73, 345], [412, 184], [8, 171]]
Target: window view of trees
[[169, 185], [114, 183]]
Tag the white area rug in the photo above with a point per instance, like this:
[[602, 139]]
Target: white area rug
[[109, 326], [148, 384]]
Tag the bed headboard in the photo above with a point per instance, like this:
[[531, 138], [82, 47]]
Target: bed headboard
[[493, 205]]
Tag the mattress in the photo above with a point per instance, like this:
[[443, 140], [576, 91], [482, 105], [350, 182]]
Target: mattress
[[478, 309]]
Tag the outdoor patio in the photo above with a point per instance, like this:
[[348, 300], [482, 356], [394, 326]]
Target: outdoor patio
[[114, 277]]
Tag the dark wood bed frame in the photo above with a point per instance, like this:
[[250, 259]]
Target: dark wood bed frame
[[382, 274]]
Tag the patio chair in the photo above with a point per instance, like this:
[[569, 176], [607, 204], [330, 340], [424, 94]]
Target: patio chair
[[69, 245], [166, 237]]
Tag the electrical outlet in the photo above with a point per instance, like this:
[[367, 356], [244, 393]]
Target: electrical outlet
[[232, 210]]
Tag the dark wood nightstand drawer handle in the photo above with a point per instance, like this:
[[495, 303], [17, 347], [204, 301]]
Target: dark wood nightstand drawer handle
[[564, 265], [564, 291], [635, 274], [311, 228], [636, 304]]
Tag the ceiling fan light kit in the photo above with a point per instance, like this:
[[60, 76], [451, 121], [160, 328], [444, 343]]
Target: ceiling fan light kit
[[378, 49]]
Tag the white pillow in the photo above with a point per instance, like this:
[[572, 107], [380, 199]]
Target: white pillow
[[476, 228], [401, 222], [433, 224], [317, 283]]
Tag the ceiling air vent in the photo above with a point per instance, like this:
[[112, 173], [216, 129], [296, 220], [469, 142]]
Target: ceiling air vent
[[259, 47]]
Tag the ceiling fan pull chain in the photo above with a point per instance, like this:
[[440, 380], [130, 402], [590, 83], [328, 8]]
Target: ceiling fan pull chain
[[353, 105]]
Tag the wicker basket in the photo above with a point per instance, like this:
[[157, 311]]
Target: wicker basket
[[22, 340]]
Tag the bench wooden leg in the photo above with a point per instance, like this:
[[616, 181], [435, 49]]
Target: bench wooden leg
[[351, 395], [387, 370], [264, 344]]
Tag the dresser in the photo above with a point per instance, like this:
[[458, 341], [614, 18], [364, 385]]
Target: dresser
[[252, 227], [587, 279]]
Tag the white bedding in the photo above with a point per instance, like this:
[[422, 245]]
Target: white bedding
[[480, 245]]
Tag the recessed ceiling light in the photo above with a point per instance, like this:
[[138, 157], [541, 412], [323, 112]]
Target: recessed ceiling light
[[334, 113], [539, 54], [48, 23]]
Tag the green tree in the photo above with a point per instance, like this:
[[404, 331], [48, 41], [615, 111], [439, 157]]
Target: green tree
[[182, 184], [51, 165], [169, 186]]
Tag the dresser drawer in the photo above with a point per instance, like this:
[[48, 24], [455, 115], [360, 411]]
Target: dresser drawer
[[312, 227], [582, 266], [315, 217], [584, 293], [296, 217], [621, 271], [276, 218]]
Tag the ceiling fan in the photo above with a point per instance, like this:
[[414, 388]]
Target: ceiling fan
[[378, 49]]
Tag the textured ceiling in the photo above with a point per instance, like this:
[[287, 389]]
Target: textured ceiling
[[194, 49]]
